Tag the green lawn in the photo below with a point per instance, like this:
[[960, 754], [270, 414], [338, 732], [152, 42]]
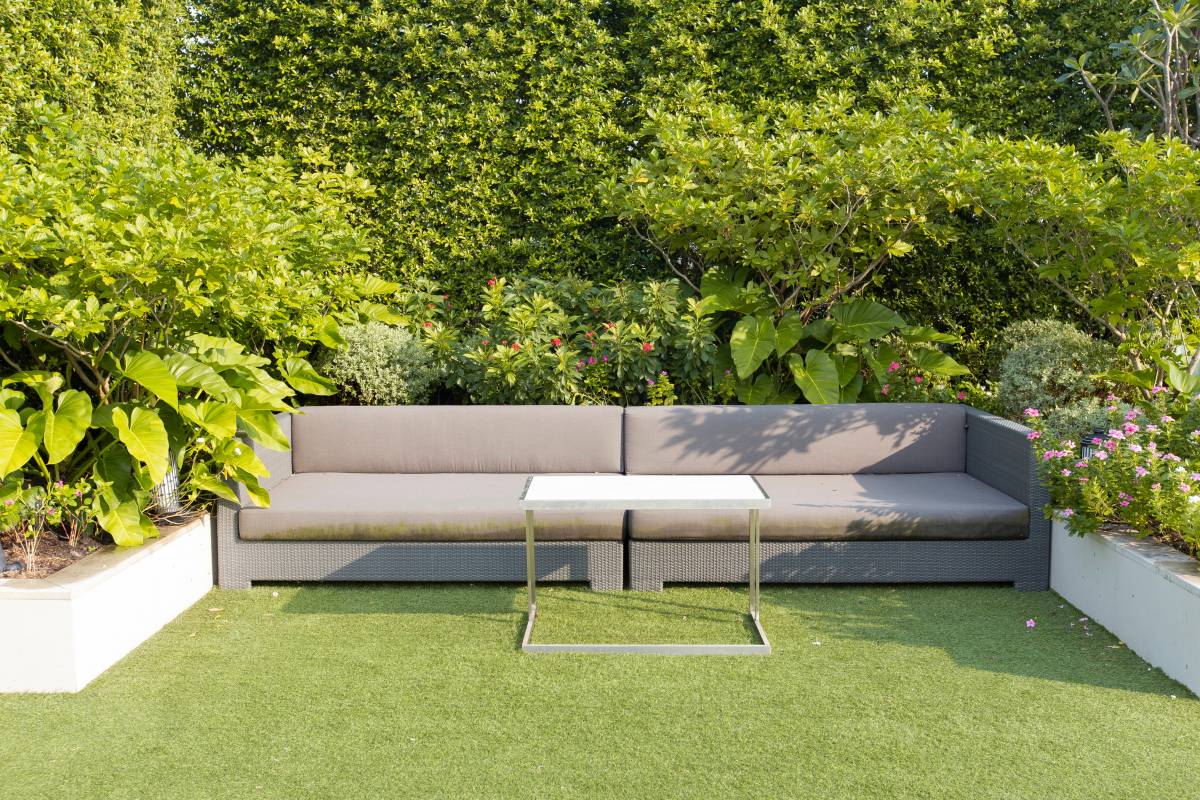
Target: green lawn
[[422, 692]]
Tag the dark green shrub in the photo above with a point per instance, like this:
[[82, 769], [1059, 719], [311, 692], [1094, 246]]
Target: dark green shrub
[[380, 365], [110, 63], [488, 126]]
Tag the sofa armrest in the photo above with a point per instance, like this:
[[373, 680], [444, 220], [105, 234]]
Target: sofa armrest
[[999, 454], [278, 463]]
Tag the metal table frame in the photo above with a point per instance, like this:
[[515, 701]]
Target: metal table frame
[[762, 649]]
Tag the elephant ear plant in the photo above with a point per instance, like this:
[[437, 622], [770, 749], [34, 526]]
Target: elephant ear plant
[[156, 309]]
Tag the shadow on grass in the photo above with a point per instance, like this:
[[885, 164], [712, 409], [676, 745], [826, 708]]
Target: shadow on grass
[[979, 627], [406, 598]]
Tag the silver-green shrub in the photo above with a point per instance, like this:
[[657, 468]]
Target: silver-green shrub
[[380, 366], [1051, 365]]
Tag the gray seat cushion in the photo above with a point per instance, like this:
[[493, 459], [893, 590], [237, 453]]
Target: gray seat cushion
[[795, 439], [422, 508], [854, 507]]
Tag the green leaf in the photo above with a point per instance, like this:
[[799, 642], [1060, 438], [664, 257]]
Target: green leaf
[[193, 374], [258, 494], [865, 320], [816, 375], [44, 383], [719, 293], [17, 445], [1181, 380], [302, 377], [919, 334], [126, 523], [850, 392], [752, 341], [11, 398], [66, 427], [848, 368], [372, 285], [937, 363], [215, 417], [788, 333], [148, 371], [264, 429], [241, 455], [145, 437], [330, 334]]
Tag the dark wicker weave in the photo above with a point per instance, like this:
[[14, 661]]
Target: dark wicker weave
[[998, 454], [239, 562]]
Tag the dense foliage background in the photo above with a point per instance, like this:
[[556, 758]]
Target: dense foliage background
[[112, 64], [487, 127]]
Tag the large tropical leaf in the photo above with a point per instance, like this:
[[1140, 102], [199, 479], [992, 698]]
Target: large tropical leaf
[[17, 444], [919, 334], [193, 374], [865, 320], [150, 372], [264, 429], [752, 341], [66, 427], [817, 376], [788, 332], [937, 363], [126, 523], [302, 377], [145, 437], [215, 417]]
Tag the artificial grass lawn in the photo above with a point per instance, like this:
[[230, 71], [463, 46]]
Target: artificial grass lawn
[[378, 691]]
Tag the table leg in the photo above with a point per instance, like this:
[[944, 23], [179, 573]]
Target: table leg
[[530, 565], [754, 562]]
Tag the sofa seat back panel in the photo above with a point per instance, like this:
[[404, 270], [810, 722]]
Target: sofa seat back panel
[[315, 506], [457, 439], [927, 506], [795, 439]]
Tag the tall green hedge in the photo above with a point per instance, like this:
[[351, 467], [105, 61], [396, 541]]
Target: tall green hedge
[[112, 63], [487, 126]]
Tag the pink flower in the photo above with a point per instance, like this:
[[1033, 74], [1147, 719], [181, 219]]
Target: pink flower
[[1155, 486], [1158, 389], [1115, 434], [1131, 415], [1135, 447], [917, 379], [1110, 398], [1066, 473], [1185, 488], [1081, 463], [1032, 412], [1195, 476], [892, 367], [1033, 435], [1151, 428], [1130, 428], [491, 281], [961, 396], [59, 484], [1171, 457], [1110, 444], [1068, 512], [647, 347], [1083, 479], [1100, 455], [428, 324], [1166, 418], [1123, 503], [484, 342], [591, 360], [1141, 471], [590, 334], [887, 387], [516, 345], [8, 502], [650, 382], [556, 341], [1029, 623], [604, 359]]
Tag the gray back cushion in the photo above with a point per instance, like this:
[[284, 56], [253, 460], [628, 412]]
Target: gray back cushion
[[795, 439], [495, 439]]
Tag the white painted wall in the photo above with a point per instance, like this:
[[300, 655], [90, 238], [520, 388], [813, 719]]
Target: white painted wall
[[62, 631], [1146, 593]]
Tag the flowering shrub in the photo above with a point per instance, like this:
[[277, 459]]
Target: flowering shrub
[[570, 341], [1144, 471]]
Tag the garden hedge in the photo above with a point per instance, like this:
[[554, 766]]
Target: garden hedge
[[112, 63], [487, 127]]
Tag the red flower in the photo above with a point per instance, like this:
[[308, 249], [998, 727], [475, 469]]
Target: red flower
[[491, 282], [484, 342], [428, 324], [590, 334], [516, 345], [556, 341], [647, 347], [445, 297]]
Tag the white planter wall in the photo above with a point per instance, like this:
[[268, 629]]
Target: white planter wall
[[62, 631], [1145, 593]]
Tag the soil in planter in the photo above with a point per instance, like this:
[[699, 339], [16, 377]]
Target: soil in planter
[[1166, 537], [52, 555]]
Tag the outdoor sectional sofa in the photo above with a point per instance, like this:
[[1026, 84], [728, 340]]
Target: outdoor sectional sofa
[[863, 493]]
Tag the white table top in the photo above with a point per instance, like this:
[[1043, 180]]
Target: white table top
[[638, 492]]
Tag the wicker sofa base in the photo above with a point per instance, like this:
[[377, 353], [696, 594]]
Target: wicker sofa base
[[598, 563], [654, 563]]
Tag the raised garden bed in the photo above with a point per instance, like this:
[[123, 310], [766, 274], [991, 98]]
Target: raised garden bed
[[1143, 591], [77, 622]]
